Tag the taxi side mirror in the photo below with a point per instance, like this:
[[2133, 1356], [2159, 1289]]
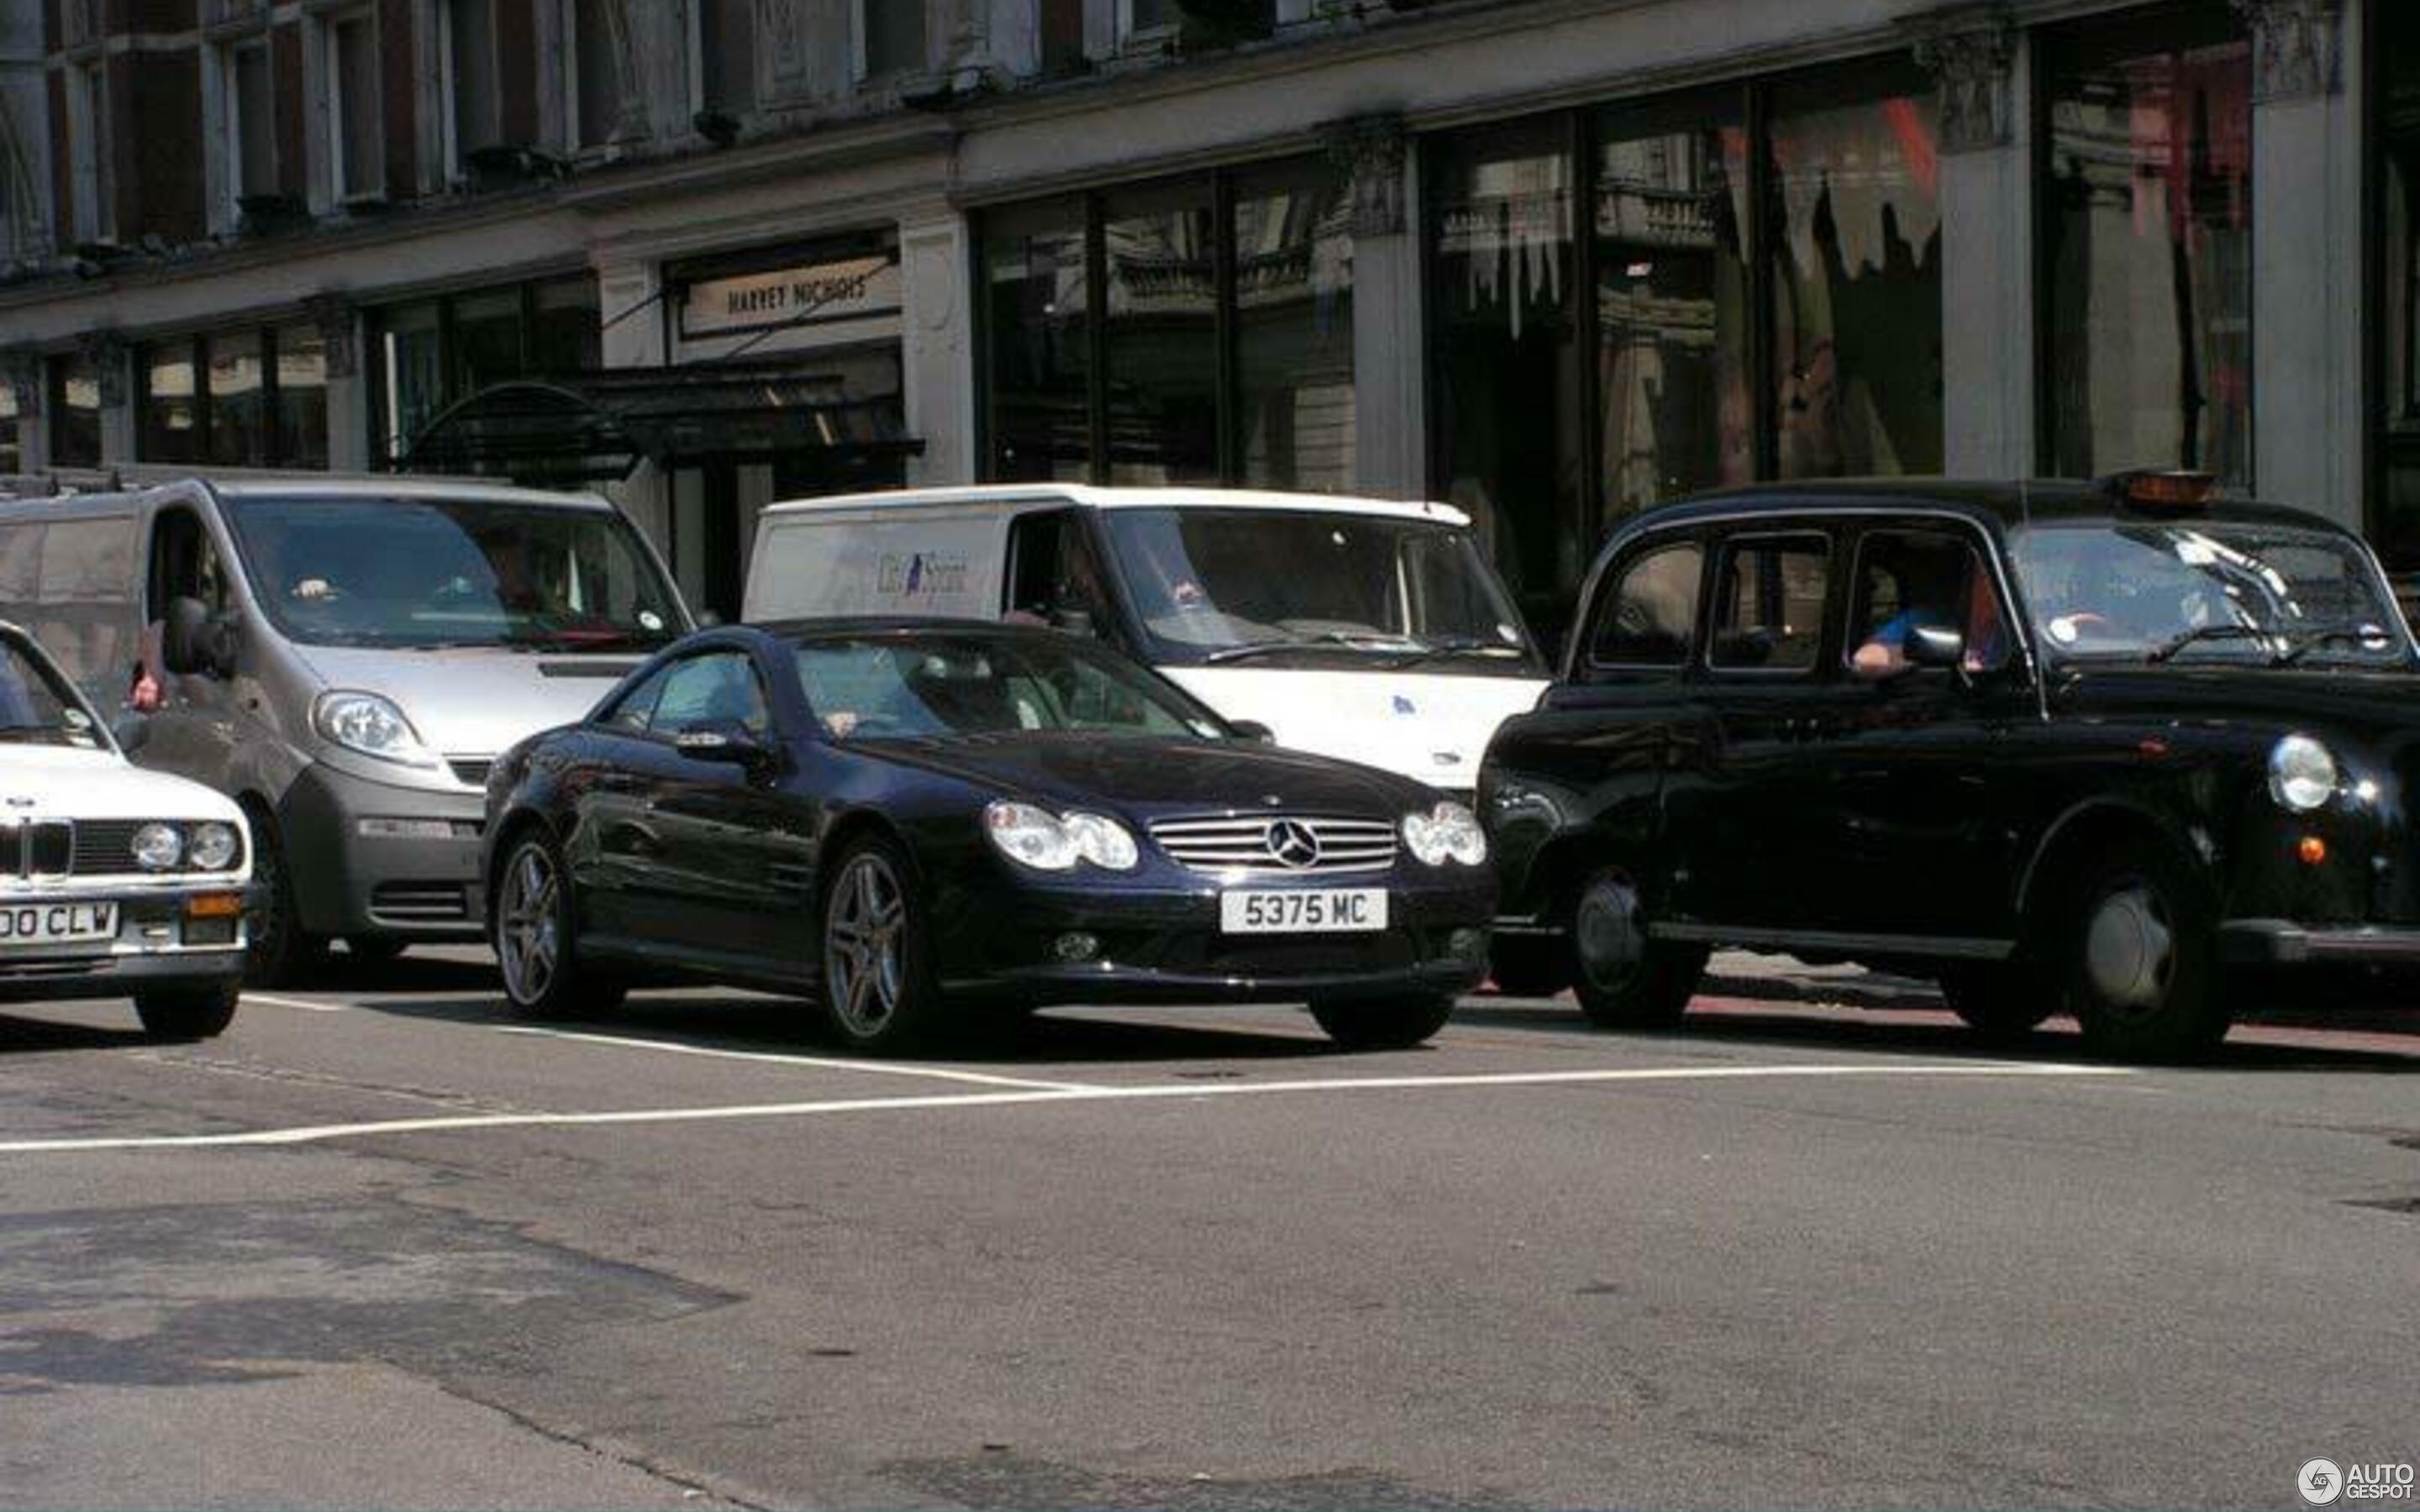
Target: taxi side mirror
[[1932, 645]]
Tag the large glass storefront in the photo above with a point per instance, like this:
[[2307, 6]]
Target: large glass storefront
[[2145, 219], [71, 408], [256, 397], [427, 354], [1222, 347], [1755, 291]]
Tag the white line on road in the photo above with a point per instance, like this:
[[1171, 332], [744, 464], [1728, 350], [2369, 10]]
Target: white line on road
[[304, 1003], [878, 1068], [320, 1133]]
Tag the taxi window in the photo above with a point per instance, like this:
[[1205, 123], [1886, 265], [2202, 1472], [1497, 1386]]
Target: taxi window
[[1769, 605], [1908, 579], [1650, 618]]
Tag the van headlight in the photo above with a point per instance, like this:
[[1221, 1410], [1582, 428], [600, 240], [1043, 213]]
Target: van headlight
[[2302, 773], [1054, 842], [213, 846], [158, 847], [1447, 832], [371, 725]]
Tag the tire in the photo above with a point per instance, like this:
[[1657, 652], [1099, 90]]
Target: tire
[[187, 1012], [279, 951], [2138, 949], [2004, 1001], [879, 992], [374, 949], [1529, 968], [1624, 978], [1383, 1023], [536, 938]]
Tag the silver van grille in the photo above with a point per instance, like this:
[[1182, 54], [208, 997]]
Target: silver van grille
[[1273, 844]]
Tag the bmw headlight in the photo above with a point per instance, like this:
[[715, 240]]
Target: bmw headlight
[[1447, 832], [1053, 843], [371, 725], [213, 847], [2302, 773], [158, 847]]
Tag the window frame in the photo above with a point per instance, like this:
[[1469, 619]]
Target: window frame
[[92, 212], [227, 57], [1979, 560], [672, 670], [343, 187], [1768, 533], [453, 149], [861, 63], [1609, 598]]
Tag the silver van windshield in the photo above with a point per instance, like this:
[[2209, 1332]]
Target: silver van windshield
[[422, 573]]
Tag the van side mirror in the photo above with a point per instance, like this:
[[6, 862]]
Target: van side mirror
[[1935, 646], [193, 640]]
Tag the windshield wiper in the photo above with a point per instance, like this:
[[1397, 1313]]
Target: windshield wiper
[[2367, 637], [1469, 645], [2167, 650], [1371, 641]]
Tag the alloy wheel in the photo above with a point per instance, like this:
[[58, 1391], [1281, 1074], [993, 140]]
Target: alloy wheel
[[865, 927], [529, 933]]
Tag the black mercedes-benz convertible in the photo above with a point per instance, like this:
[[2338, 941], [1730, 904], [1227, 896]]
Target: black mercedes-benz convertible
[[913, 822]]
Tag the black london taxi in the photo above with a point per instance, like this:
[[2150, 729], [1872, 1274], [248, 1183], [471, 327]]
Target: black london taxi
[[2061, 745]]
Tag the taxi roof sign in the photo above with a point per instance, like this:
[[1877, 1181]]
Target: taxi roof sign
[[2173, 489]]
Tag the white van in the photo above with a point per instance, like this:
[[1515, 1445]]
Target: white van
[[344, 659], [1364, 628]]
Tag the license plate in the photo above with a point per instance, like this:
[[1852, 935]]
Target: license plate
[[1305, 911], [57, 923]]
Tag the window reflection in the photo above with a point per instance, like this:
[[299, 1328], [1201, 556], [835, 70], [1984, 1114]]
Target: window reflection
[[1035, 304], [238, 408], [172, 412], [1294, 321], [2148, 213], [1163, 329]]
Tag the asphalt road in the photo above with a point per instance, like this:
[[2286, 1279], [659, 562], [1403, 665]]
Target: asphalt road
[[381, 1246]]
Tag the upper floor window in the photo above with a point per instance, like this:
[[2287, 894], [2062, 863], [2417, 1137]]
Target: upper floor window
[[357, 164], [726, 55], [1146, 18], [95, 217], [596, 73], [891, 37], [472, 104], [250, 123]]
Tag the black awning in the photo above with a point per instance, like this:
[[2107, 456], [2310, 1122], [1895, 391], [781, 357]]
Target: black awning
[[597, 426]]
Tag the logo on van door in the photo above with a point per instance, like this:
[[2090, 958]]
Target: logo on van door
[[1405, 706], [921, 575]]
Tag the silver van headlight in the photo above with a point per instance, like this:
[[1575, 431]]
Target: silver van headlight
[[371, 725], [2301, 773]]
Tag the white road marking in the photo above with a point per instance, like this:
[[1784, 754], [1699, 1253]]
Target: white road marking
[[320, 1133], [878, 1068], [304, 1003]]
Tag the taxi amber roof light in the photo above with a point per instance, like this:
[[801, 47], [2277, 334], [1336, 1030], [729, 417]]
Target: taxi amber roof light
[[2175, 490]]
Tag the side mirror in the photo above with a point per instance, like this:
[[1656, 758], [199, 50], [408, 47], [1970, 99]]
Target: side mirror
[[726, 741], [193, 640], [1253, 729], [1932, 645], [1073, 617], [707, 619]]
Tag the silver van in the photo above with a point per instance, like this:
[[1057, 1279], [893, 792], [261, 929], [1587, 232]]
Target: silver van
[[343, 659]]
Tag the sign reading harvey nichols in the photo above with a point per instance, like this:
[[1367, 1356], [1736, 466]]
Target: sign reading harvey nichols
[[852, 289]]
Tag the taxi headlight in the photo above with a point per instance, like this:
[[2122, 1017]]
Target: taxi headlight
[[2302, 773], [213, 847], [1447, 832], [158, 847], [371, 725]]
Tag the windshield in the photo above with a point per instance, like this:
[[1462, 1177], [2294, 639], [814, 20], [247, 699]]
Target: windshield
[[2257, 594], [1211, 585], [421, 573], [37, 707], [891, 686]]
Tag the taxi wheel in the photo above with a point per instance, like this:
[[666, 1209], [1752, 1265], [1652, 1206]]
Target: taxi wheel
[[2141, 957], [878, 988], [187, 1012], [2001, 1000], [1383, 1023], [1624, 980], [280, 952], [1528, 968], [537, 947]]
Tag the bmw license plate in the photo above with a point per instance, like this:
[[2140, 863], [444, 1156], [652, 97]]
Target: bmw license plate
[[57, 923], [1303, 911]]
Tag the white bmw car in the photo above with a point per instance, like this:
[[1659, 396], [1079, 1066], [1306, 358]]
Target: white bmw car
[[114, 881]]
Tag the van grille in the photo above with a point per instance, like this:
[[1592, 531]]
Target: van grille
[[421, 902], [472, 771], [1253, 845]]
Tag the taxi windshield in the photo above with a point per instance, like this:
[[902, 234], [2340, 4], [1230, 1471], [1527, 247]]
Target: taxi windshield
[[1266, 585], [2253, 594]]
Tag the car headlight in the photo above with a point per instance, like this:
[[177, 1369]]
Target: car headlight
[[158, 847], [1053, 843], [2302, 773], [213, 846], [1447, 832], [371, 725]]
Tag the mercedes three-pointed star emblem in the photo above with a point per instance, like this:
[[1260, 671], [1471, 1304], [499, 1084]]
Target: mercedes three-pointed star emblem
[[1292, 843]]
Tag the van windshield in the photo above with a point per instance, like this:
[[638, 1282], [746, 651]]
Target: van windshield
[[1219, 585], [415, 574]]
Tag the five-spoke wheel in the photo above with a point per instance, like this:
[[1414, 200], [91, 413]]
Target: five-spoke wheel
[[877, 988], [532, 926]]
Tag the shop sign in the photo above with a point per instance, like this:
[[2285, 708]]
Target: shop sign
[[850, 289]]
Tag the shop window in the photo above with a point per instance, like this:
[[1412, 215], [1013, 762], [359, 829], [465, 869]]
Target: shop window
[[596, 71], [410, 353], [566, 331], [891, 37], [1162, 317], [171, 424], [2395, 516], [12, 454], [1674, 312], [487, 335], [357, 163], [1506, 392], [300, 437], [1856, 276], [474, 105], [2146, 212], [239, 417], [726, 50], [429, 354], [1294, 329], [74, 412], [1036, 306]]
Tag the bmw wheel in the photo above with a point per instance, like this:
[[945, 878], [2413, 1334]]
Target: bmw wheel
[[537, 946], [878, 988], [187, 1012]]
